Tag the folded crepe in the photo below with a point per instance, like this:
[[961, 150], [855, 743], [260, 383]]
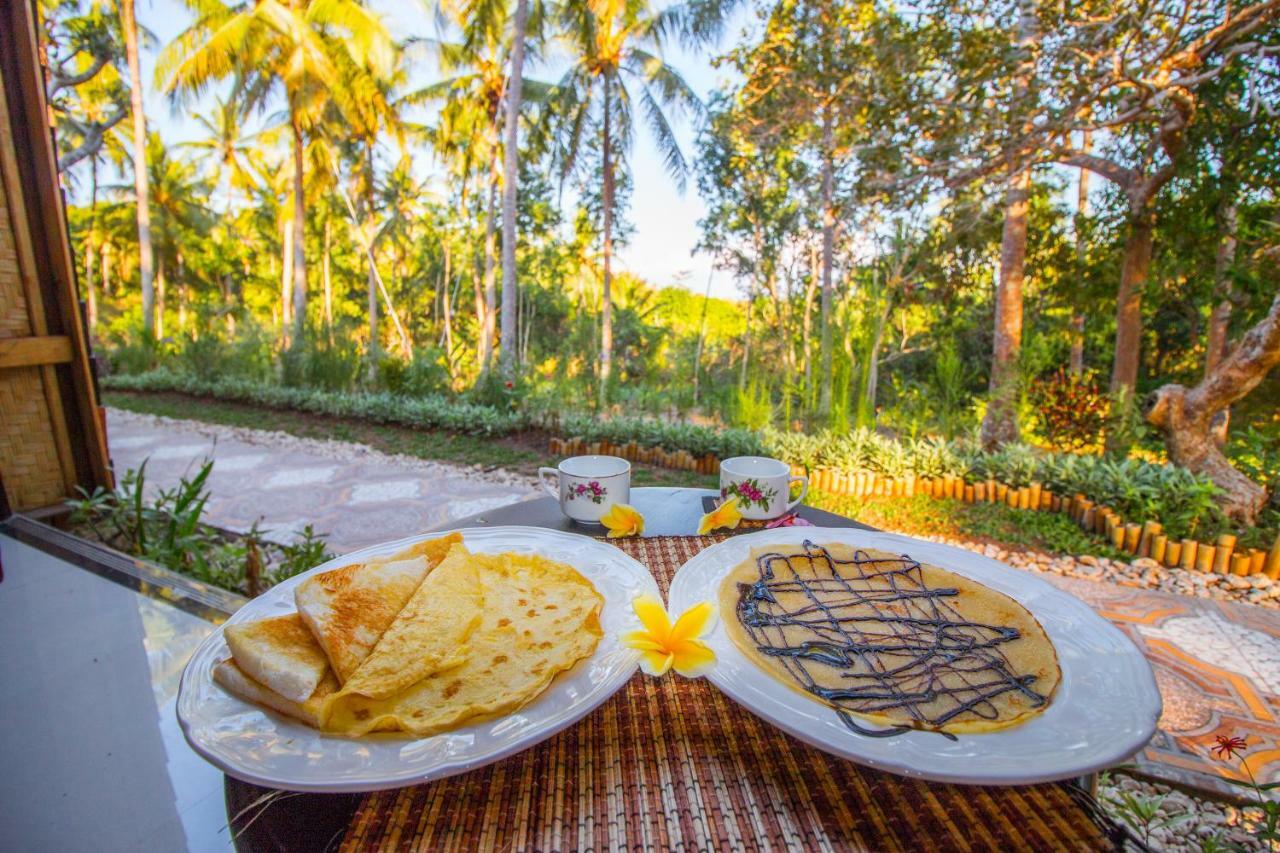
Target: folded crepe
[[348, 609], [280, 654], [511, 621], [234, 680]]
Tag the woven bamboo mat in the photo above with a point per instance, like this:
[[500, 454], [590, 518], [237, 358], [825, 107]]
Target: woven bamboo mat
[[672, 763]]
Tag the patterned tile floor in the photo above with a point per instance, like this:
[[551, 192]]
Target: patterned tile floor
[[1218, 668], [356, 497], [1217, 664]]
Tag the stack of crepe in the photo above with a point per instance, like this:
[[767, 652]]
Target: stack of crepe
[[419, 642]]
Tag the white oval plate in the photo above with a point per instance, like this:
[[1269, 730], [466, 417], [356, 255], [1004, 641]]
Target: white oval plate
[[269, 749], [1105, 708]]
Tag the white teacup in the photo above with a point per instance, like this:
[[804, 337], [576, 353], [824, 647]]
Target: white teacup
[[588, 486], [763, 486]]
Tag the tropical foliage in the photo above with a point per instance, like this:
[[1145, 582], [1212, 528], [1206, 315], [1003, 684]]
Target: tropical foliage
[[903, 198]]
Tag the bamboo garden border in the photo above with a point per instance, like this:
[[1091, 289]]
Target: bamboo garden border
[[1141, 539]]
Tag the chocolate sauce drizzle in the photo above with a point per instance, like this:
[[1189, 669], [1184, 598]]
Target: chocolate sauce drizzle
[[898, 641]]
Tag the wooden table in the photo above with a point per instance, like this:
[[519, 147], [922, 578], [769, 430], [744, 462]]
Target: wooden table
[[318, 821]]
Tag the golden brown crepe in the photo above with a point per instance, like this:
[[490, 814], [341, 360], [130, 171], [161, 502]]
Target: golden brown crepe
[[280, 654], [349, 608], [236, 682], [536, 618], [888, 639]]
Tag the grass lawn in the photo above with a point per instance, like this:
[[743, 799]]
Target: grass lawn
[[521, 453]]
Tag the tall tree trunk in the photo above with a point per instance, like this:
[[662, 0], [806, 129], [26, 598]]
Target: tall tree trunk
[[446, 307], [1223, 289], [374, 344], [160, 293], [702, 336], [1000, 425], [1076, 360], [328, 281], [490, 306], [810, 290], [1133, 279], [1185, 415], [90, 252], [182, 295], [828, 251], [606, 299], [286, 281], [510, 186], [142, 193], [106, 267], [299, 237], [746, 344]]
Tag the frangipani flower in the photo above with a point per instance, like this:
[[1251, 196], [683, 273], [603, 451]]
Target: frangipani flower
[[622, 520], [665, 646], [725, 515]]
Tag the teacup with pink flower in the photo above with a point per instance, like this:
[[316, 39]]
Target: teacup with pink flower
[[762, 486]]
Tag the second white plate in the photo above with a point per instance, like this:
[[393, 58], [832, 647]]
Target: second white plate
[[268, 749], [1105, 708]]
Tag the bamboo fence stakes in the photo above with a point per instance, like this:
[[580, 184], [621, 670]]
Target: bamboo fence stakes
[[1257, 561], [1002, 492], [1239, 564], [1089, 516], [968, 494], [1117, 536], [1033, 496], [1222, 561], [1189, 547], [1132, 533], [1149, 530], [980, 491], [1272, 569], [1204, 557], [1159, 544], [1173, 554]]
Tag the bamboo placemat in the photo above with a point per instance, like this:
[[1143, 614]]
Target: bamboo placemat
[[672, 763]]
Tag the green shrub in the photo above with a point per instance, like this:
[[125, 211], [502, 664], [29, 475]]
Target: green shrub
[[1069, 409], [331, 367], [422, 375]]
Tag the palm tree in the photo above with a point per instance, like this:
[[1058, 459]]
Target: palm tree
[[479, 84], [231, 153], [510, 189], [141, 191], [300, 46], [618, 67], [177, 193]]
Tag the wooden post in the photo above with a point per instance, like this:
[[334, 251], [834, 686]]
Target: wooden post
[[1159, 544], [1257, 561], [1117, 536], [1149, 530], [1033, 499], [1189, 547], [1272, 569], [1088, 517], [1239, 564], [1222, 560], [1132, 533], [1204, 557], [1173, 554]]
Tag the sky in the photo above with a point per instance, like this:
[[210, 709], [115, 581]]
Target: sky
[[666, 222]]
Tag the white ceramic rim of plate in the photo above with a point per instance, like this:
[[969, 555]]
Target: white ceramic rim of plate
[[1105, 709], [619, 665]]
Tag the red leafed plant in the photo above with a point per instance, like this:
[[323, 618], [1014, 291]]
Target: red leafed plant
[[1070, 409]]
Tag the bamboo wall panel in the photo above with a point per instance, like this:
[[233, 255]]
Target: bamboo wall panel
[[51, 437], [28, 454]]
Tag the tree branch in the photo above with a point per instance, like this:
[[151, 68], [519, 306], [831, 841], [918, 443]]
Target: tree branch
[[1241, 371]]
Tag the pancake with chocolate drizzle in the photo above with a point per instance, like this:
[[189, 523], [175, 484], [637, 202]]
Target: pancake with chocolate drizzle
[[889, 640]]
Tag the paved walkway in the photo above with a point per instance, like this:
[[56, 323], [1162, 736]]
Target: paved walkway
[[1217, 663], [352, 495]]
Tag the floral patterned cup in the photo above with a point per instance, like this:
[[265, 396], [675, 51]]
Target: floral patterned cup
[[588, 486], [762, 486]]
